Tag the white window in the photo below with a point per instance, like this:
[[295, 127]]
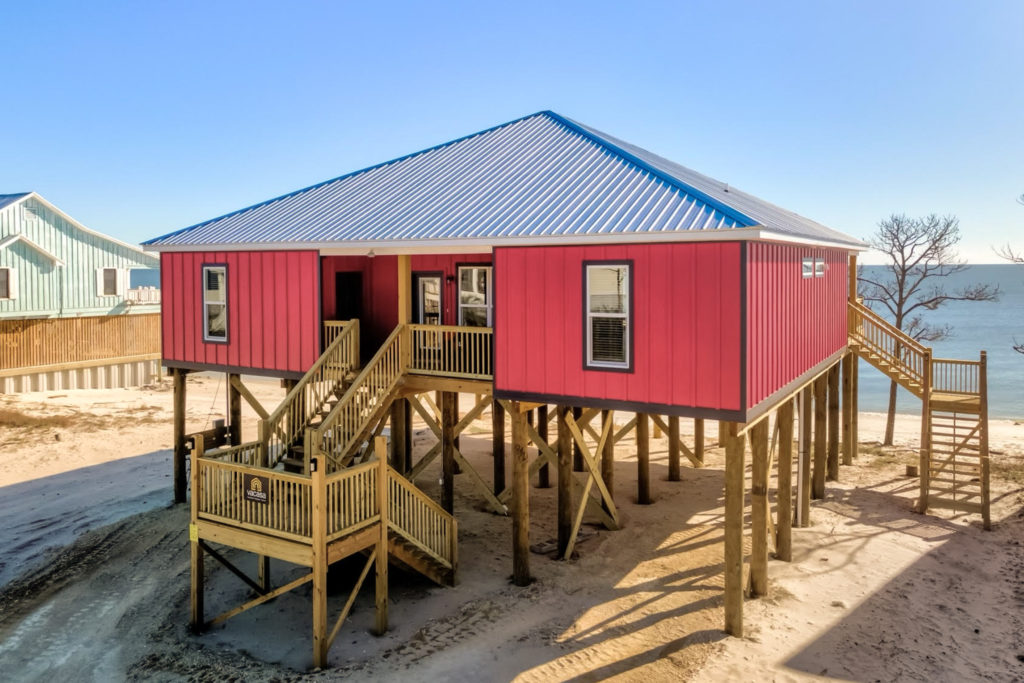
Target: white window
[[110, 282], [819, 267], [215, 303], [807, 267], [8, 283], [608, 329], [475, 304]]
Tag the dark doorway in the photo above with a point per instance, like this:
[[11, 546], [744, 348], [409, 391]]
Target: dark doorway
[[348, 296], [428, 298]]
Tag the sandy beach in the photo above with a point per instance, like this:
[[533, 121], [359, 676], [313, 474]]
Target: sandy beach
[[94, 571]]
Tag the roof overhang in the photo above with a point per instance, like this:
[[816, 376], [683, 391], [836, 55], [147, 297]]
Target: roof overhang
[[13, 239], [485, 245]]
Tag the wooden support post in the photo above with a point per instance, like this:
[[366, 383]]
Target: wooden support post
[[833, 423], [784, 523], [180, 452], [673, 448], [449, 418], [399, 456], [404, 289], [722, 433], [854, 417], [986, 491], [234, 410], [656, 431], [759, 509], [520, 500], [319, 560], [407, 467], [698, 439], [565, 479], [381, 593], [608, 455], [847, 389], [820, 435], [196, 619], [734, 474], [263, 572], [806, 410], [458, 441], [498, 444], [577, 456], [544, 473], [925, 456], [643, 460]]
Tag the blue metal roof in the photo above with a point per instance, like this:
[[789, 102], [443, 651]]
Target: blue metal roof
[[8, 199], [533, 179]]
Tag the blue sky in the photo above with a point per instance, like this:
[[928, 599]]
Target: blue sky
[[141, 118]]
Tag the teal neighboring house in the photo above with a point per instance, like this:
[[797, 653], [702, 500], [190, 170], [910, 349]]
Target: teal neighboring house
[[69, 315], [53, 266]]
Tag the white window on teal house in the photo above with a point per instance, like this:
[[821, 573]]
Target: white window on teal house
[[475, 304], [215, 303], [109, 282], [8, 283]]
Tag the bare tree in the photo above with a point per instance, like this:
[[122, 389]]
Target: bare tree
[[921, 254], [1007, 252]]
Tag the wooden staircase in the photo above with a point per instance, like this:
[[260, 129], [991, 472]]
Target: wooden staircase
[[954, 465]]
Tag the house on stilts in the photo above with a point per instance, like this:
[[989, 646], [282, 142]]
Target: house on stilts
[[559, 275]]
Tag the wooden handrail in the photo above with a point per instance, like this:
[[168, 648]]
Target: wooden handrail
[[903, 337], [451, 351], [309, 395], [421, 520]]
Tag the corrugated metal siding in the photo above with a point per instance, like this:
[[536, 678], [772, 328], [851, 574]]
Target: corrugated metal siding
[[273, 310], [687, 349], [793, 323], [45, 289], [538, 176]]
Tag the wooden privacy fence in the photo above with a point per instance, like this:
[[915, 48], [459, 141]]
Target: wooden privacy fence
[[66, 341]]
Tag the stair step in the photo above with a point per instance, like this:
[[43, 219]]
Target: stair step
[[294, 465]]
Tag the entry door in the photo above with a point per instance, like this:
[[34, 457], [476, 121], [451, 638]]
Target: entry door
[[428, 304], [348, 296]]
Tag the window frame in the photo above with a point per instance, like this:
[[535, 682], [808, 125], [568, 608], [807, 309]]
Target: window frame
[[807, 267], [628, 316], [204, 303], [819, 267], [489, 303], [117, 276]]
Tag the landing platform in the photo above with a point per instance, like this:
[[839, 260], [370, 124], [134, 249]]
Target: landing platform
[[956, 403]]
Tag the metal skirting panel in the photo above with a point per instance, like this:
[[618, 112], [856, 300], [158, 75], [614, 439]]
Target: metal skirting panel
[[115, 376]]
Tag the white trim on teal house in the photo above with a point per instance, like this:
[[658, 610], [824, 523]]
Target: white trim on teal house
[[59, 266]]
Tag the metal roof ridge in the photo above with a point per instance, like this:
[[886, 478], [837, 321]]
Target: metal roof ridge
[[594, 136]]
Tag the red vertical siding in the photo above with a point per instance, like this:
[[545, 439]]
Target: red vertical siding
[[686, 318], [793, 323], [273, 317]]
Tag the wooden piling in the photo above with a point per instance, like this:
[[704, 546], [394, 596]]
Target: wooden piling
[[833, 423], [520, 500], [196, 619], [643, 460], [673, 448], [319, 561], [784, 523], [847, 406], [820, 437], [806, 411], [608, 455], [449, 418], [577, 455], [759, 509], [498, 445], [381, 560], [564, 450], [698, 439], [180, 452], [544, 473], [734, 472], [399, 456], [234, 410]]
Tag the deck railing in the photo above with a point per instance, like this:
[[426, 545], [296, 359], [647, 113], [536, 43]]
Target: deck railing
[[226, 493], [952, 376], [310, 395], [450, 351], [351, 499], [883, 339], [249, 454], [342, 427], [420, 520]]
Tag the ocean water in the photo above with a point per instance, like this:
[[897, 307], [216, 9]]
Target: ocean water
[[977, 326]]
